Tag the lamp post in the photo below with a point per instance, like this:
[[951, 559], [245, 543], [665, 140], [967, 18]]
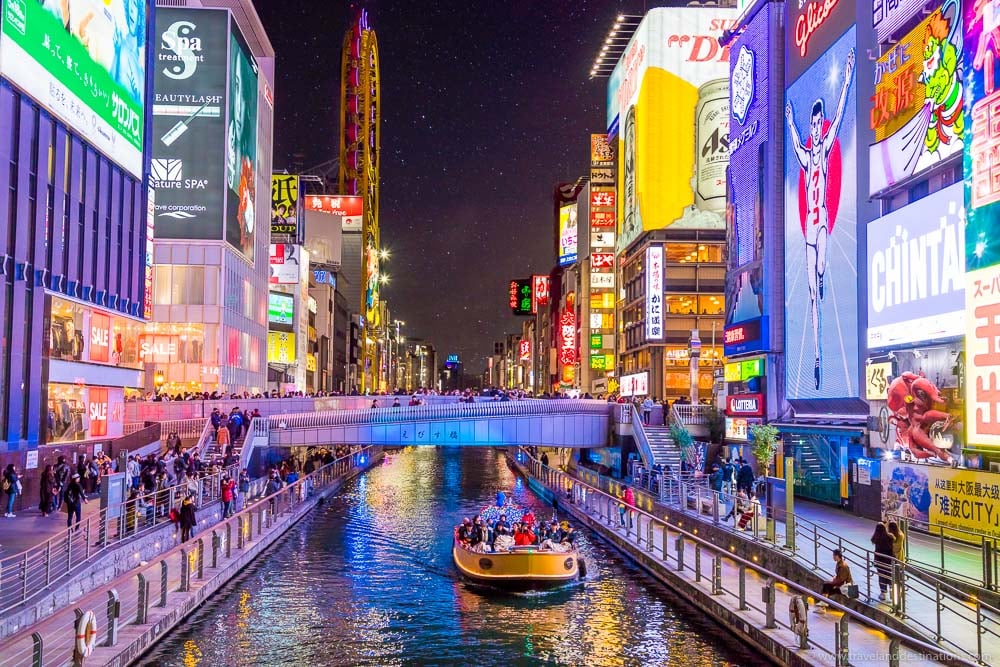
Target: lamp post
[[159, 379]]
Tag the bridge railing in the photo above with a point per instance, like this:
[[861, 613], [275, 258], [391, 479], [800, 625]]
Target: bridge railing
[[437, 412], [690, 415]]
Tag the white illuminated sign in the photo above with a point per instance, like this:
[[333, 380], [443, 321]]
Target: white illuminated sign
[[654, 293]]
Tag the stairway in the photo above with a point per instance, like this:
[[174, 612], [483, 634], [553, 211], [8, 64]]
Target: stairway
[[665, 452]]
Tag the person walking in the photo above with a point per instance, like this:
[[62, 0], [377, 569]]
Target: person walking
[[134, 469], [228, 493], [12, 487], [745, 477], [62, 479], [74, 498], [629, 498], [187, 517], [883, 558], [47, 491]]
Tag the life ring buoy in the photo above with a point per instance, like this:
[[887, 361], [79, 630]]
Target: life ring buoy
[[797, 617], [86, 634]]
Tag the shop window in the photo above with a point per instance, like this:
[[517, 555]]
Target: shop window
[[66, 330]]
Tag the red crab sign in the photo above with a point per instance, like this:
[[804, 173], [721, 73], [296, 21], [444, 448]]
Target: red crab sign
[[912, 399]]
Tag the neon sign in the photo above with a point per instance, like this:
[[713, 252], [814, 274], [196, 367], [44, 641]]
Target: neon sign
[[811, 20]]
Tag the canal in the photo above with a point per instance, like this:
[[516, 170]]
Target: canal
[[368, 579]]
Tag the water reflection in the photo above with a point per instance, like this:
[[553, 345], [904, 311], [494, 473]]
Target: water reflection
[[368, 580]]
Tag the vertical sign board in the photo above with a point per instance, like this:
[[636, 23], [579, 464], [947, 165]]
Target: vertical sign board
[[654, 292], [147, 291], [520, 293], [820, 193], [285, 208], [187, 169], [982, 208], [539, 292], [241, 145], [749, 169]]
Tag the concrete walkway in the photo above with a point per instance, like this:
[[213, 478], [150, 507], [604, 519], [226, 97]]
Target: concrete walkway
[[657, 553], [30, 529]]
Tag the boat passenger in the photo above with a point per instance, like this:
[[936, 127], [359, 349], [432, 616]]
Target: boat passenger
[[477, 536], [503, 540], [464, 532], [524, 536], [502, 522]]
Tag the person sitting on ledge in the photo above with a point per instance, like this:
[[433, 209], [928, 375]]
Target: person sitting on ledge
[[842, 575]]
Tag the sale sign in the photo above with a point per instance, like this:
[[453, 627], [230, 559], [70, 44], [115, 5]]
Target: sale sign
[[100, 337], [97, 410]]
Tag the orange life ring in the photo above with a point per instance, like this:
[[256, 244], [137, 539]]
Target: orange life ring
[[86, 634]]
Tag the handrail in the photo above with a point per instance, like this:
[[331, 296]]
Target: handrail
[[148, 584], [445, 412], [641, 440], [27, 573], [906, 579], [558, 479], [690, 414]]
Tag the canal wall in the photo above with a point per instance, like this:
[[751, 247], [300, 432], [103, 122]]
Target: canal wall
[[137, 609]]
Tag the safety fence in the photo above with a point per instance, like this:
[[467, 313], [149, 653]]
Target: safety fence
[[924, 601], [26, 574], [56, 641], [730, 577]]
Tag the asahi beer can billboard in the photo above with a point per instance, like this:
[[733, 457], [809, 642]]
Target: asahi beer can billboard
[[711, 146]]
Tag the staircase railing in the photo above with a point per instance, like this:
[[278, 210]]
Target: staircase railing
[[641, 440], [690, 414]]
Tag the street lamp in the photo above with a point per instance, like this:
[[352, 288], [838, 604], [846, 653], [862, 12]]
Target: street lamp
[[159, 379]]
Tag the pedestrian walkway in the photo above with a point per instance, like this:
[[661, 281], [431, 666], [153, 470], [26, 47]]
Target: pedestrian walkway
[[30, 528], [714, 575]]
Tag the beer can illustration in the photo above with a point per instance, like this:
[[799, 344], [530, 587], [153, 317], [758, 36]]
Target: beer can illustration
[[711, 146]]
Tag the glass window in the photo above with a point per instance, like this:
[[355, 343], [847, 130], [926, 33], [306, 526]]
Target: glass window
[[66, 330]]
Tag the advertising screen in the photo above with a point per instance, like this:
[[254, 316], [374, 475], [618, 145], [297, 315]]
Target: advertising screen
[[636, 384], [568, 230], [916, 271], [285, 206], [280, 347], [241, 146], [188, 142], [942, 495], [917, 110], [982, 208], [748, 174], [280, 308], [673, 76], [285, 266], [350, 206], [85, 61], [821, 274]]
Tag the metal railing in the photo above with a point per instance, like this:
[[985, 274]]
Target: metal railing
[[639, 435], [26, 574], [687, 552], [693, 414], [485, 408], [149, 584], [185, 428], [952, 611]]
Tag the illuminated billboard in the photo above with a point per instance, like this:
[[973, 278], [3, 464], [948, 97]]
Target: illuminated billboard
[[568, 229], [982, 208], [349, 206], [283, 259], [634, 385], [917, 111], [280, 347], [539, 292], [673, 76], [916, 271], [189, 123], [85, 61], [750, 178], [519, 296], [821, 277], [241, 146], [654, 292], [280, 308], [285, 206]]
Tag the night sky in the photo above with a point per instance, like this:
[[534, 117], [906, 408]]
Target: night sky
[[486, 104]]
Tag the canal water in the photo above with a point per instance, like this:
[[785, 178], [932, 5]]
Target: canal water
[[367, 579]]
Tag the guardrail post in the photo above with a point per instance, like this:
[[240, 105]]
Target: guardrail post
[[770, 530], [987, 564], [842, 651], [77, 658], [679, 546], [767, 597], [69, 549], [163, 583], [717, 575], [937, 608], [666, 537], [24, 578], [142, 609], [114, 611], [48, 562], [894, 652], [649, 536], [215, 549], [815, 547], [899, 589], [201, 557], [743, 588], [36, 650], [715, 509], [790, 532], [697, 562], [185, 572], [240, 530]]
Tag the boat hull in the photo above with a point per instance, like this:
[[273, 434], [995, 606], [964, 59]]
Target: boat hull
[[522, 569]]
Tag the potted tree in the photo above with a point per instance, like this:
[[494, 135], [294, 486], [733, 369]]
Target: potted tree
[[764, 443]]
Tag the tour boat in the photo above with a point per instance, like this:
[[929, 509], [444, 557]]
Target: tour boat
[[522, 568]]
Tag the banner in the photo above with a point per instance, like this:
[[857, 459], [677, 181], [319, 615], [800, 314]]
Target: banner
[[241, 146], [285, 266], [654, 293], [949, 497], [285, 206], [568, 230], [84, 61], [349, 206], [189, 125], [280, 347]]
